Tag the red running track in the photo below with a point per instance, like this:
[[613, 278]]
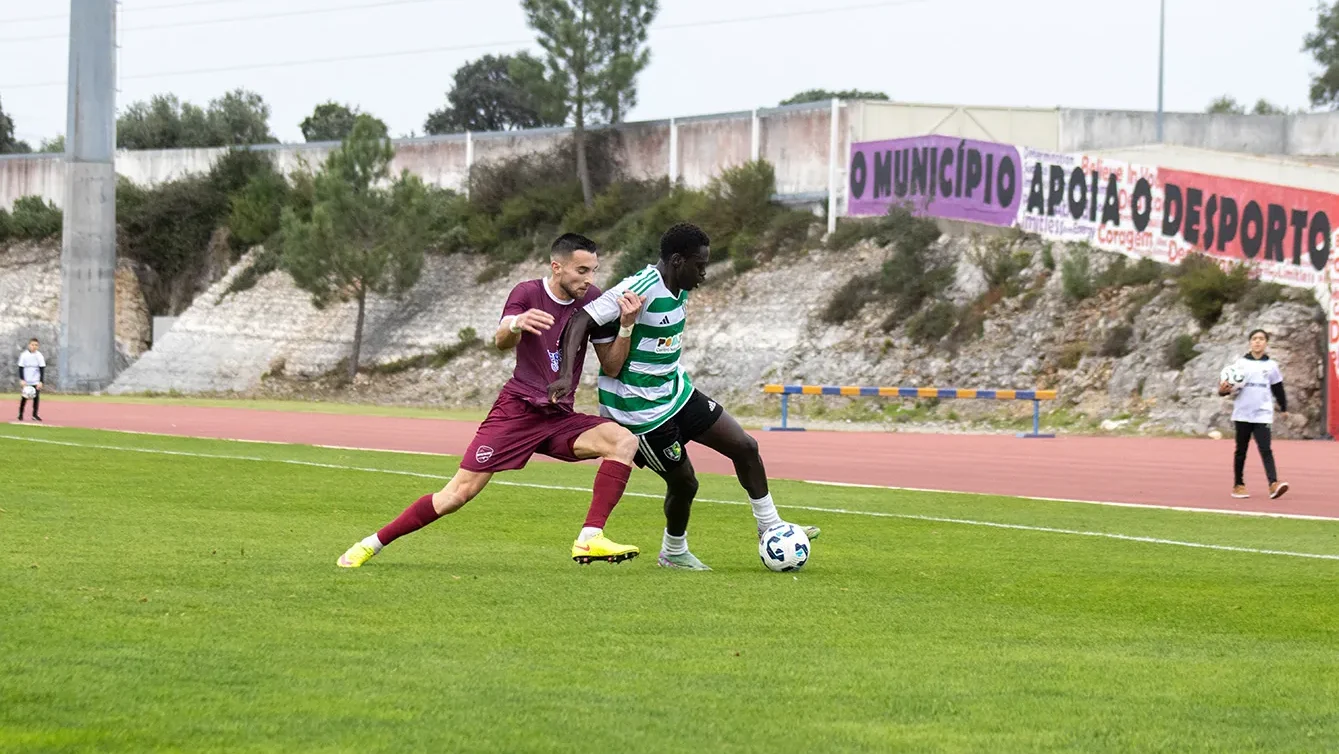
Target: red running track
[[1150, 471]]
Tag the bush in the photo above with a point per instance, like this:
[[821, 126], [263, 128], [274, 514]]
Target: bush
[[1180, 351], [1206, 288], [255, 210], [493, 182], [1260, 295], [971, 321], [266, 261], [738, 209], [1076, 273], [623, 197], [1047, 256], [167, 228], [526, 198], [1119, 274], [1118, 339], [637, 235], [34, 218], [1070, 356], [440, 357], [931, 324], [850, 232], [787, 232], [1000, 261], [849, 299], [914, 273]]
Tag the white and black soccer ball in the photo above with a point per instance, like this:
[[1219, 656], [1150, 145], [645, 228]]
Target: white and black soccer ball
[[784, 547], [29, 391], [1233, 375]]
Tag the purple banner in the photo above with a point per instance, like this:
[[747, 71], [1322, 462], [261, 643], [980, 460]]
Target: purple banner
[[940, 176]]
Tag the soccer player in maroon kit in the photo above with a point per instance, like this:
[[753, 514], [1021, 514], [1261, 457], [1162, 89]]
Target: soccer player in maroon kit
[[523, 421]]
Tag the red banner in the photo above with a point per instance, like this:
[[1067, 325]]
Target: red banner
[[1287, 233]]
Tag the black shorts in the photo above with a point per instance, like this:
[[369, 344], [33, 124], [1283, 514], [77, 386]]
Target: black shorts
[[663, 449]]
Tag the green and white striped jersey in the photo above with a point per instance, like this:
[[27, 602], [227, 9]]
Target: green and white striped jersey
[[652, 386]]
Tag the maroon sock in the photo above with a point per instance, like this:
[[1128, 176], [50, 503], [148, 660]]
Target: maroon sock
[[415, 517], [610, 481]]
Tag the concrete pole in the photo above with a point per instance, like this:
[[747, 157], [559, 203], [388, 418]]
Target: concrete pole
[[88, 250], [833, 140], [1162, 27], [469, 161], [755, 137], [674, 152]]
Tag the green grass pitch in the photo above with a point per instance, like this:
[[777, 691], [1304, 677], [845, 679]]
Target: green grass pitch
[[188, 600]]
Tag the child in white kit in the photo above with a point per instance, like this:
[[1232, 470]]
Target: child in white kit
[[32, 375], [1253, 412]]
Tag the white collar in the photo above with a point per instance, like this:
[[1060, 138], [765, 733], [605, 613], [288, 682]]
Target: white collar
[[556, 300]]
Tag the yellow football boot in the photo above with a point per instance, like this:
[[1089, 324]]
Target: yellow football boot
[[603, 548]]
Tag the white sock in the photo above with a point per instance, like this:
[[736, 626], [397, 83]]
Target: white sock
[[671, 545], [589, 532], [765, 511], [374, 543]]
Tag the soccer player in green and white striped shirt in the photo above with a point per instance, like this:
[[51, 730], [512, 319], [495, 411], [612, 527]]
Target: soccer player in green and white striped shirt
[[654, 397]]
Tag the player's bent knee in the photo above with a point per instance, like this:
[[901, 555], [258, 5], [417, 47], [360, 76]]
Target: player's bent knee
[[624, 447], [462, 488], [683, 485]]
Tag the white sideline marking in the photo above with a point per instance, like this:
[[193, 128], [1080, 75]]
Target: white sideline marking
[[1146, 506], [842, 511]]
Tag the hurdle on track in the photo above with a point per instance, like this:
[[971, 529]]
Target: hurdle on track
[[785, 391]]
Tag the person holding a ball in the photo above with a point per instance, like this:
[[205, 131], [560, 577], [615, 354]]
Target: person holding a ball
[[32, 373], [1256, 383]]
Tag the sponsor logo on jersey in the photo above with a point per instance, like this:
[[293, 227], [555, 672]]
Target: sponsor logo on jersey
[[670, 344], [555, 359]]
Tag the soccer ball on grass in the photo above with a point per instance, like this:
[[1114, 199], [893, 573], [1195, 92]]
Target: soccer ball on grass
[[784, 547]]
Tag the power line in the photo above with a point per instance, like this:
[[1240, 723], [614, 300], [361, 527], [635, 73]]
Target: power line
[[792, 14], [293, 63], [66, 17], [233, 19], [475, 46]]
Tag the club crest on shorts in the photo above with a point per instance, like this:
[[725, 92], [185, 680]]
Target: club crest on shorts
[[555, 359], [674, 452], [483, 453]]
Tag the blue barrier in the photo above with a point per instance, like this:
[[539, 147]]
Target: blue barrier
[[785, 391]]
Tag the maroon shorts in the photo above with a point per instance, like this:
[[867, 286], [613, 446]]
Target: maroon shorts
[[516, 430]]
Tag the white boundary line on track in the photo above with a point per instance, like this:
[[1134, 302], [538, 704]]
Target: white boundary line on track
[[891, 488], [840, 511]]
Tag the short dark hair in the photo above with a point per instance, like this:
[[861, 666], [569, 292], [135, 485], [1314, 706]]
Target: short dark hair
[[684, 238], [570, 242], [1261, 332], [34, 340]]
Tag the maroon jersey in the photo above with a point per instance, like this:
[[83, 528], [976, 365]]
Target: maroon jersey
[[538, 357]]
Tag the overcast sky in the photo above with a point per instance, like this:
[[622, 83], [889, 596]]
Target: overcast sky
[[704, 59]]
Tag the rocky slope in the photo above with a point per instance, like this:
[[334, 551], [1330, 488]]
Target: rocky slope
[[766, 326]]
